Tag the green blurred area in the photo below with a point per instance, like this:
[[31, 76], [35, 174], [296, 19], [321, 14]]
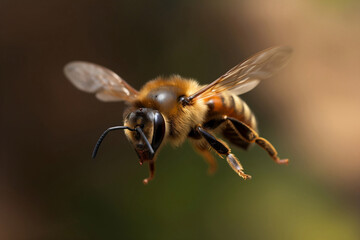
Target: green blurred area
[[52, 189], [183, 202]]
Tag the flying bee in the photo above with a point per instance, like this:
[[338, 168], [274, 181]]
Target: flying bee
[[173, 109]]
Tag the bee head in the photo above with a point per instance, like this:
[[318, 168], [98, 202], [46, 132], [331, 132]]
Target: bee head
[[150, 131], [146, 132]]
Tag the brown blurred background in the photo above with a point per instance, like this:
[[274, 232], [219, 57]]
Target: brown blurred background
[[51, 189]]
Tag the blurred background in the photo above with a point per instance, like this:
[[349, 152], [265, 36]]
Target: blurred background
[[50, 188]]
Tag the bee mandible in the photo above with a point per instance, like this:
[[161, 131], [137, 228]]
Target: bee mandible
[[173, 109]]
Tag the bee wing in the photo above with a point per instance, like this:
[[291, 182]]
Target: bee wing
[[247, 75], [93, 78]]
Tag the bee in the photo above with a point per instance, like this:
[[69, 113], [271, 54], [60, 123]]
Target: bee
[[173, 109]]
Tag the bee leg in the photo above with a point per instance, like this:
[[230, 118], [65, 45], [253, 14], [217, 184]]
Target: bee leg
[[152, 171], [203, 148], [222, 149], [251, 136]]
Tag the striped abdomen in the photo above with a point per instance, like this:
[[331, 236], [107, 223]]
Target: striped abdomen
[[235, 107]]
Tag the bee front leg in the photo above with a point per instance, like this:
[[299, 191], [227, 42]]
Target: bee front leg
[[251, 136], [223, 150], [152, 172]]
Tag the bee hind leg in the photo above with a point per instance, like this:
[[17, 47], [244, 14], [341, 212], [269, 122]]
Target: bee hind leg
[[223, 150], [251, 136]]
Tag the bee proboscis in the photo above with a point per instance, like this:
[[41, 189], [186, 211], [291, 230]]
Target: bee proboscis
[[173, 109]]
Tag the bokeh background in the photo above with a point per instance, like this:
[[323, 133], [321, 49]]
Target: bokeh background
[[50, 188]]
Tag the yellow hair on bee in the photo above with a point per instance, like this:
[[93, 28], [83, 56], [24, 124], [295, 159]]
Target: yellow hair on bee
[[180, 119]]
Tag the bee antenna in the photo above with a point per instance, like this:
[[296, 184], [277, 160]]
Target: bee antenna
[[96, 148], [139, 130]]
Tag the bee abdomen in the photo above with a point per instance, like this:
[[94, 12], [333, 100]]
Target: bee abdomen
[[235, 107], [231, 106]]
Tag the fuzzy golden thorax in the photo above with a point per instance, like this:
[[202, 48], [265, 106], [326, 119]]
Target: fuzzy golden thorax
[[163, 95]]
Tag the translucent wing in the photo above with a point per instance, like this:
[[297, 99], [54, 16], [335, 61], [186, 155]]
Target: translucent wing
[[247, 75], [93, 78]]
